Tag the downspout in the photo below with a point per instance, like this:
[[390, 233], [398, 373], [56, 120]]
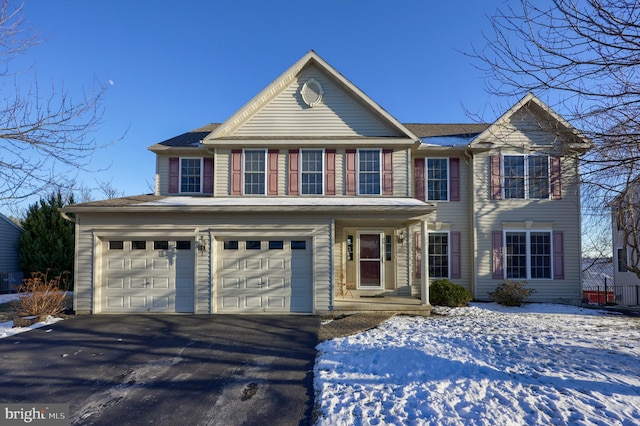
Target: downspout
[[472, 219]]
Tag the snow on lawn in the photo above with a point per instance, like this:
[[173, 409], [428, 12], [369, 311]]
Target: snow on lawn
[[7, 329], [484, 365]]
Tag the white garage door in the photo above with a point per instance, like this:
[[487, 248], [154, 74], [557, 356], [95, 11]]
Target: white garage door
[[147, 276], [265, 276]]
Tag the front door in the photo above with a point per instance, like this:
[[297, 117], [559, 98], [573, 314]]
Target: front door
[[370, 266]]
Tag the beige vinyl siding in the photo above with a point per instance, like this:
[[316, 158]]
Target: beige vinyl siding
[[162, 175], [340, 178], [222, 173], [84, 269], [203, 290], [400, 173], [558, 215], [339, 114]]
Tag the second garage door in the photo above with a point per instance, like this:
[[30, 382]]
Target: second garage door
[[265, 276]]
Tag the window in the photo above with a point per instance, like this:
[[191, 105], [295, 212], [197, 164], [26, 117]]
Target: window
[[161, 245], [190, 174], [622, 259], [439, 254], [388, 247], [138, 245], [253, 245], [116, 245], [528, 255], [183, 245], [437, 179], [298, 245], [311, 171], [526, 176], [350, 247], [231, 245], [254, 172], [369, 171], [276, 245]]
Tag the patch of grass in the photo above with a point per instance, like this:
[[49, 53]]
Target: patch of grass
[[6, 312]]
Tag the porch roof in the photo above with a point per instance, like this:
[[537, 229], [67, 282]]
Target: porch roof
[[349, 205]]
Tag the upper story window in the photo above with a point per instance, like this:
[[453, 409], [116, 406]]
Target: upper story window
[[437, 179], [254, 171], [369, 176], [526, 176], [311, 171], [191, 175]]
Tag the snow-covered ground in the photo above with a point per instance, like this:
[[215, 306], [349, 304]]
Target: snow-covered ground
[[7, 329], [485, 365]]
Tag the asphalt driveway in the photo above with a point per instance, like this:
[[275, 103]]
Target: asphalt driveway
[[167, 369]]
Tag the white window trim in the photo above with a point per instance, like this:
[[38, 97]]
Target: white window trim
[[358, 169], [180, 191], [266, 169], [426, 179], [526, 176], [322, 170], [627, 259], [528, 252], [448, 253]]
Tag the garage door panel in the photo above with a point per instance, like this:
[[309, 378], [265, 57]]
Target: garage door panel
[[230, 264], [253, 264], [161, 302], [160, 282], [138, 282], [137, 301], [231, 302], [115, 302], [253, 302], [115, 264], [115, 282], [276, 302], [161, 264], [276, 264], [230, 283], [276, 283], [138, 264]]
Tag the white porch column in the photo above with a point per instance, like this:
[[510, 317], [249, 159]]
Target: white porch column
[[424, 284]]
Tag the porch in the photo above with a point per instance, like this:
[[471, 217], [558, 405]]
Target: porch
[[350, 300]]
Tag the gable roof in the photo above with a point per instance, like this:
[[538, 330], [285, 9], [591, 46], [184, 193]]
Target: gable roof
[[10, 222], [551, 116], [251, 108]]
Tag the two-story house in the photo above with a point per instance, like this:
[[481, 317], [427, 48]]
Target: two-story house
[[313, 198]]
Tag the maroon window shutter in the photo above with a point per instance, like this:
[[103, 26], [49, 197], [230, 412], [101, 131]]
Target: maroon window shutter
[[496, 178], [272, 174], [350, 172], [418, 255], [418, 171], [556, 178], [207, 176], [236, 172], [174, 175], [454, 179], [293, 171], [330, 172], [387, 172], [455, 255], [558, 255], [498, 256]]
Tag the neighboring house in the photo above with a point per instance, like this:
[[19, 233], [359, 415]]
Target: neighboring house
[[10, 274], [313, 198], [626, 282]]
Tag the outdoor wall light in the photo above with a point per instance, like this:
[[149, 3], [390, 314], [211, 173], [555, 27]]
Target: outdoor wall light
[[202, 244], [401, 237]]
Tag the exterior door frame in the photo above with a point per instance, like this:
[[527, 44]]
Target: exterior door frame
[[381, 246]]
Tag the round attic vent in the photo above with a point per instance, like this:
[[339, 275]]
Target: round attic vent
[[311, 92]]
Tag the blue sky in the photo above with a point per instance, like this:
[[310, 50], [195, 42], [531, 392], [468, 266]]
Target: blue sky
[[174, 66]]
